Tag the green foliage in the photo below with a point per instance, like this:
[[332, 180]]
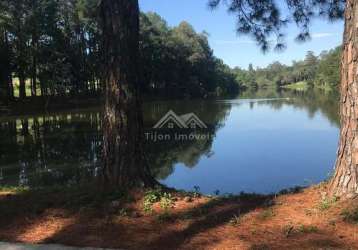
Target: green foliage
[[179, 61], [151, 197], [166, 201], [56, 48], [328, 72], [265, 19], [156, 195], [321, 71]]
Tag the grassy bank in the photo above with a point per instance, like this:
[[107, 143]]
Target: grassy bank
[[303, 86], [177, 220], [300, 86]]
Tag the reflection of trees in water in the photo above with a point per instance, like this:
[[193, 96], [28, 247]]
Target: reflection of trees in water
[[312, 101], [66, 148], [317, 100], [164, 155], [44, 150]]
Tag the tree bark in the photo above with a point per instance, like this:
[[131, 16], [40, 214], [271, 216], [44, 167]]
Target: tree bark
[[3, 75], [123, 147], [22, 86], [34, 47], [34, 66], [5, 69], [345, 180]]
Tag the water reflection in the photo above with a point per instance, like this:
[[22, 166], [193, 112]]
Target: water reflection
[[65, 148], [43, 150]]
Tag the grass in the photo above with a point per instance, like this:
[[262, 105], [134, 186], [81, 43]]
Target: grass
[[301, 86], [156, 195], [266, 214], [307, 229], [151, 197], [350, 215], [235, 220], [16, 84], [11, 189], [166, 201], [290, 229], [327, 203]]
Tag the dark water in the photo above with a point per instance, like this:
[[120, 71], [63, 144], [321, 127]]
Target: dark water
[[259, 142]]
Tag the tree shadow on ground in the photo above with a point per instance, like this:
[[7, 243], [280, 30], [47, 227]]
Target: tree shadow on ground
[[76, 221], [160, 231]]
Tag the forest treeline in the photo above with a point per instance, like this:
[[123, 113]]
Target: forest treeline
[[53, 48], [322, 71]]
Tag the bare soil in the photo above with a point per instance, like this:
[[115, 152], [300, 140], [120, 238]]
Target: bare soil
[[304, 220]]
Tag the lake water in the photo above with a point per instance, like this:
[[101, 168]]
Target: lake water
[[258, 142]]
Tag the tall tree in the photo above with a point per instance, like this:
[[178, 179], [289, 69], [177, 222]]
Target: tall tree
[[6, 88], [19, 15], [34, 30], [124, 158], [345, 180], [5, 68]]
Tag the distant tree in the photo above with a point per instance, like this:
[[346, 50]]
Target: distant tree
[[328, 70]]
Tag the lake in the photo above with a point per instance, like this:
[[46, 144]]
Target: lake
[[259, 142]]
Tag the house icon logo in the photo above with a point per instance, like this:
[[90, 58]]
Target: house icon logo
[[171, 121]]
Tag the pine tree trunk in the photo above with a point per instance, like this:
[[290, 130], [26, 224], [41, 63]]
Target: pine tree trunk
[[22, 87], [34, 48], [3, 77], [123, 152], [34, 66], [5, 69], [345, 180]]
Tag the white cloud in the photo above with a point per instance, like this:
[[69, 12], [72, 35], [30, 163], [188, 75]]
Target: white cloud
[[322, 35], [228, 42]]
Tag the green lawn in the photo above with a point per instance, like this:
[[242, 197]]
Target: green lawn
[[302, 86], [27, 87]]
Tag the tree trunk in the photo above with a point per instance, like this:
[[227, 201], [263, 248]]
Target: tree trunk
[[22, 87], [5, 69], [34, 66], [123, 149], [345, 180], [3, 76], [34, 47]]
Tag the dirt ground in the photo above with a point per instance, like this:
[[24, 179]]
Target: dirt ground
[[303, 220]]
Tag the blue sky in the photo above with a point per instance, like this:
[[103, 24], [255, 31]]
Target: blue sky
[[241, 50]]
